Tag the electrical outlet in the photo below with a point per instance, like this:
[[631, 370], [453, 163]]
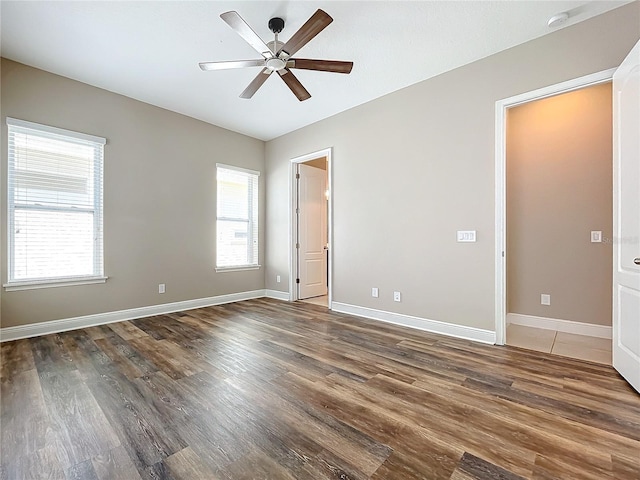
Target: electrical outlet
[[161, 288], [374, 292], [278, 278], [596, 236], [545, 299], [397, 297]]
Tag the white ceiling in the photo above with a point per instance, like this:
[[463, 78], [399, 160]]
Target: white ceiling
[[149, 50]]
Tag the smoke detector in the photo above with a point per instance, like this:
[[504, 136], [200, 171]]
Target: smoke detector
[[558, 20]]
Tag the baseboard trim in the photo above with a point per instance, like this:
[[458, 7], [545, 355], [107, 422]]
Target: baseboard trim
[[433, 326], [278, 295], [56, 326], [566, 326]]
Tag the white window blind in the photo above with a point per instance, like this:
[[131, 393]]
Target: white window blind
[[237, 217], [55, 204]]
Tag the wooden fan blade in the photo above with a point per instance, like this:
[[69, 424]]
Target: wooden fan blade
[[256, 84], [294, 84], [233, 64], [318, 22], [334, 66], [235, 21]]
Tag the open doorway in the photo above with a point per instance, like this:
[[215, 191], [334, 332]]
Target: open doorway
[[310, 265], [553, 277], [559, 224]]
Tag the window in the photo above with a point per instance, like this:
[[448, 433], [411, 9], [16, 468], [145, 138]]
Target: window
[[55, 206], [237, 220]]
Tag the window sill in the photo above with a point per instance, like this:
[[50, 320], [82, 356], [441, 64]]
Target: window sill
[[62, 282], [238, 268]]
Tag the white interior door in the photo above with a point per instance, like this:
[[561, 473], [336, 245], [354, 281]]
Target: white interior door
[[626, 219], [312, 231]]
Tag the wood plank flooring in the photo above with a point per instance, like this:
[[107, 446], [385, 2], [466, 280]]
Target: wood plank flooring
[[265, 389]]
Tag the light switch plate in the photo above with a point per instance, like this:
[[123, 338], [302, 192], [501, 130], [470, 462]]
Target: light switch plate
[[596, 236], [466, 236]]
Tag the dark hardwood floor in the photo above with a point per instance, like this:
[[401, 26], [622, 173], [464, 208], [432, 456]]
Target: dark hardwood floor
[[265, 389]]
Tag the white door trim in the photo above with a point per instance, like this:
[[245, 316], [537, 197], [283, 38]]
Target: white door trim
[[500, 170], [293, 220]]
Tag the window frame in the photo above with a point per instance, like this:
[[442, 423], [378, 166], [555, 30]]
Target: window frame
[[253, 224], [97, 276]]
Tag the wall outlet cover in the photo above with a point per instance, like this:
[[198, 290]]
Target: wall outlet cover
[[374, 292], [596, 236], [545, 299], [161, 288], [397, 297]]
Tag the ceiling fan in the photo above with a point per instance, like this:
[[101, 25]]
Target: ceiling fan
[[278, 56]]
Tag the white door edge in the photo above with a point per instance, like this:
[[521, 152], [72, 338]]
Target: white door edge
[[626, 219]]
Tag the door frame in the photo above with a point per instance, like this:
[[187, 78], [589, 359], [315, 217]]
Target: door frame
[[501, 181], [293, 221]]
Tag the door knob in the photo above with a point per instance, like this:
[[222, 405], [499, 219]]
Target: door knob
[[636, 261]]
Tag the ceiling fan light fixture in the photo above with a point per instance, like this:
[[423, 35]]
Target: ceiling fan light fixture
[[275, 64]]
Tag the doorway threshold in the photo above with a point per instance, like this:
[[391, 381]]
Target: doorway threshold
[[581, 347], [322, 300]]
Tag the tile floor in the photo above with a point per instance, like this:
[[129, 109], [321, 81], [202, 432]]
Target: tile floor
[[323, 301], [566, 344]]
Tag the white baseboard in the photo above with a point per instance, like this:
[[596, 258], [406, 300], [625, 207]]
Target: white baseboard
[[566, 326], [434, 326], [278, 295], [65, 324]]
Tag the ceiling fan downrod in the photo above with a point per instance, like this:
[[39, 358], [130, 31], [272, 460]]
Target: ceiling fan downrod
[[275, 64]]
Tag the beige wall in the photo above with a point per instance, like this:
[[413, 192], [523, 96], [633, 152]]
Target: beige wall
[[559, 189], [159, 197], [411, 168]]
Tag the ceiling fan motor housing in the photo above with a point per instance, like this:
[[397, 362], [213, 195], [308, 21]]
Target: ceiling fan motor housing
[[275, 47]]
